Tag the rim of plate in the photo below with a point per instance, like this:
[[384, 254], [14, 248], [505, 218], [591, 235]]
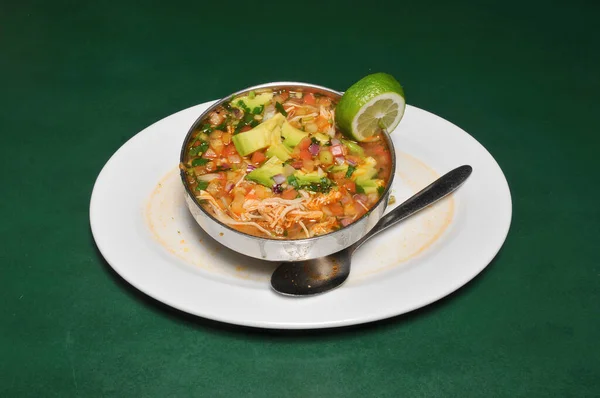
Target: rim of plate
[[174, 300]]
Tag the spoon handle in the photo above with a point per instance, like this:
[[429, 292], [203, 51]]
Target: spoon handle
[[440, 188]]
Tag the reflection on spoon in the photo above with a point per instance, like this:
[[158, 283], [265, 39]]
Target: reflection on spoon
[[304, 278]]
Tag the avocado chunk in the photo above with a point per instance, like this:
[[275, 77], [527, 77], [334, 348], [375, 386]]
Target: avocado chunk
[[354, 148], [338, 168], [257, 100], [259, 137], [368, 185], [307, 178], [291, 135], [322, 138], [264, 174], [279, 150], [366, 170], [315, 181]]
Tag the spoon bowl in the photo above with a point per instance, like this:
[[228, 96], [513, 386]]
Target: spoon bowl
[[319, 275]]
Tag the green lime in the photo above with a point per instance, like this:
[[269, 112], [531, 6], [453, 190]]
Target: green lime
[[373, 103]]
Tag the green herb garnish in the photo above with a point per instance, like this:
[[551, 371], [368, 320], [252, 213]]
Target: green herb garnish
[[380, 190], [293, 181], [258, 110], [222, 126], [199, 162], [197, 150], [279, 107], [350, 171], [202, 185], [323, 186]]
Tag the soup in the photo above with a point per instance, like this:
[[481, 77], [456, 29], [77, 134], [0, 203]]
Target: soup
[[273, 164]]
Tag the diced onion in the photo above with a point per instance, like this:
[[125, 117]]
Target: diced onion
[[229, 186], [314, 149], [336, 150], [208, 177], [339, 160], [250, 168], [279, 178], [234, 158], [335, 141], [351, 162]]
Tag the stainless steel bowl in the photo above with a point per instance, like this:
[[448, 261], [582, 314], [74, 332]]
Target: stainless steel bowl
[[283, 249]]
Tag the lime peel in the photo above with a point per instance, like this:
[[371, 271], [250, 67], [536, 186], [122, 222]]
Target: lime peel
[[376, 102]]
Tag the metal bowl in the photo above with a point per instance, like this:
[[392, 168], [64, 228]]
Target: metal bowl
[[283, 249]]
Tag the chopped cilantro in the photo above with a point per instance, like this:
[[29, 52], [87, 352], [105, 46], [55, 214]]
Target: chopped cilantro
[[202, 185], [199, 162], [323, 186], [258, 110], [206, 128], [279, 107], [243, 106], [195, 151], [248, 117], [350, 171], [293, 181], [380, 190], [359, 189]]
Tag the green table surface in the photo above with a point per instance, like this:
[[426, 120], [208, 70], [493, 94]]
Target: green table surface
[[79, 78]]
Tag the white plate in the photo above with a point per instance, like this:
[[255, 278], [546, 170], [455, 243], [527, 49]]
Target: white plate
[[144, 231]]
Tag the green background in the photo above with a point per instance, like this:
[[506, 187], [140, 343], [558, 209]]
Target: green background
[[78, 79]]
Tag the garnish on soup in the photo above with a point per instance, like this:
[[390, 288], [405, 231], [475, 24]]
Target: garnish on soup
[[273, 164]]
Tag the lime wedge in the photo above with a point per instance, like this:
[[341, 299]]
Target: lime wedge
[[374, 103]]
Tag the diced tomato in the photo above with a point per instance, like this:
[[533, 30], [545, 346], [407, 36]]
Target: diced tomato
[[322, 123], [350, 186], [297, 164], [336, 209], [305, 143], [289, 193], [251, 195], [305, 155], [308, 165], [258, 157], [309, 99], [284, 95], [245, 128], [229, 150]]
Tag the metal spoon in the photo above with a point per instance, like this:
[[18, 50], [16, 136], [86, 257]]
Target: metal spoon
[[304, 278]]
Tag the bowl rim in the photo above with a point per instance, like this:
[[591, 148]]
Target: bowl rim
[[272, 86]]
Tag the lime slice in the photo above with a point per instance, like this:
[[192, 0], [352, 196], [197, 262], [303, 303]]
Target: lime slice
[[374, 103]]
